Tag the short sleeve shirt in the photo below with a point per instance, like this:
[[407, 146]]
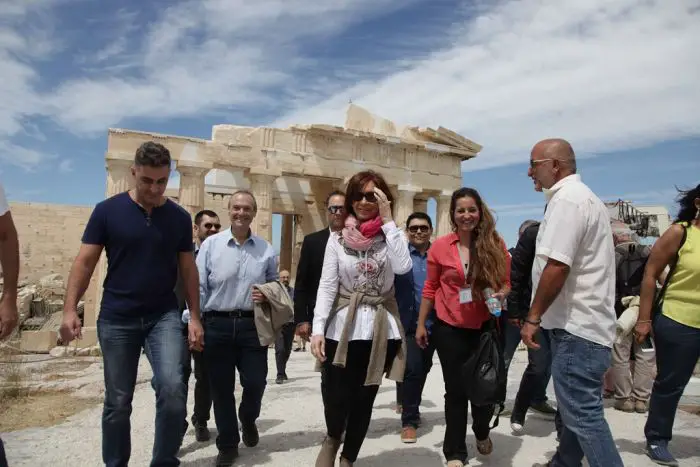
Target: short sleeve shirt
[[142, 255]]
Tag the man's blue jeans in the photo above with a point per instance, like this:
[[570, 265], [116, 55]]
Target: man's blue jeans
[[418, 365], [539, 368], [160, 335], [3, 458], [578, 366], [230, 344], [677, 352]]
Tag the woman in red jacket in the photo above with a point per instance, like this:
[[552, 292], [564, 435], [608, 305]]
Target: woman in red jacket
[[461, 266]]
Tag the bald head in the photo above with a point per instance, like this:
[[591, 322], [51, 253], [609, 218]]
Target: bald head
[[557, 149]]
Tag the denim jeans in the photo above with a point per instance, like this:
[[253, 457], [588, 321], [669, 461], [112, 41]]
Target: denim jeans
[[578, 366], [232, 344], [533, 385], [677, 352], [283, 348], [160, 335], [539, 368], [418, 364]]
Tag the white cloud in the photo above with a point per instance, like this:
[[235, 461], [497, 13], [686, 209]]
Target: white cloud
[[605, 75], [65, 166]]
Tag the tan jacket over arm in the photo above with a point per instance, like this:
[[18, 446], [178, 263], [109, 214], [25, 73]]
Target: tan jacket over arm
[[271, 315]]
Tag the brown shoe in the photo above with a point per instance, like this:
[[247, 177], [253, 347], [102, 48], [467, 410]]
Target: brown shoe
[[624, 405], [408, 435], [345, 463], [329, 449], [640, 407], [484, 447]]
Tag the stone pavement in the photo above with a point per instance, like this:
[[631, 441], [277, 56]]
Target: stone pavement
[[292, 427]]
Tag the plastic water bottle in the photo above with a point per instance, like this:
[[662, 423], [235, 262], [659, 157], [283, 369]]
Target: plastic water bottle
[[492, 302]]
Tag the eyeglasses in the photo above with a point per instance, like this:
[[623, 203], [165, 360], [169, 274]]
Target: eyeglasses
[[419, 228], [533, 163], [370, 197], [209, 225], [336, 209]]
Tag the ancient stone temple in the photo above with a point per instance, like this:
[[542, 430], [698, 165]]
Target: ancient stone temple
[[292, 170]]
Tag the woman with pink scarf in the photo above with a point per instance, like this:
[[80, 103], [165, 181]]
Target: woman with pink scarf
[[357, 334]]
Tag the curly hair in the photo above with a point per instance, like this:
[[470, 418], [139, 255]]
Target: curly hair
[[489, 256], [686, 200]]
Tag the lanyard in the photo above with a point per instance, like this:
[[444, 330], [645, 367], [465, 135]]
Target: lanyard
[[465, 265]]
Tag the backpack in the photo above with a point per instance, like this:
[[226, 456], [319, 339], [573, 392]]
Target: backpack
[[631, 259], [484, 373]]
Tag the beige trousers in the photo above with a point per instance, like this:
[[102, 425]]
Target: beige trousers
[[635, 383]]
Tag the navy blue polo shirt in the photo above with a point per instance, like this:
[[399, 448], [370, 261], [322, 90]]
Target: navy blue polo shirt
[[142, 255]]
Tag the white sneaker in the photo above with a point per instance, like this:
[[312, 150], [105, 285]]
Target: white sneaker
[[517, 428]]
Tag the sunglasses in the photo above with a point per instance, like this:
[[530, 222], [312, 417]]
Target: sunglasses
[[370, 197], [533, 164], [419, 228], [336, 209], [209, 225]]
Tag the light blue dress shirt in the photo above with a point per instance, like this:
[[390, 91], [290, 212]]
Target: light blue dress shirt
[[228, 270]]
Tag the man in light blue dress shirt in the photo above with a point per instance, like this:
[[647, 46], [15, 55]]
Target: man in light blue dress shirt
[[230, 263]]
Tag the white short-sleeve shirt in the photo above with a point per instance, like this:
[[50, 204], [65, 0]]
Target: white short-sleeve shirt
[[4, 206], [576, 231]]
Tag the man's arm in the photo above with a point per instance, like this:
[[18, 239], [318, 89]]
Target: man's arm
[[523, 257], [80, 274], [190, 279], [552, 281], [301, 314], [9, 259], [271, 273]]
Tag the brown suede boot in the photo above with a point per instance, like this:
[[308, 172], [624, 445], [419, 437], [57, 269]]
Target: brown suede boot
[[329, 449], [345, 463]]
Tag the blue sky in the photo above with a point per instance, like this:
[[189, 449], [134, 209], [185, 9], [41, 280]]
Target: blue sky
[[618, 79]]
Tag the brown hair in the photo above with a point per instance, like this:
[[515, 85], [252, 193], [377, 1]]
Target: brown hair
[[353, 191], [489, 259]]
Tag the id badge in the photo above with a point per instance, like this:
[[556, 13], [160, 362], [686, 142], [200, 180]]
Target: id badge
[[465, 296]]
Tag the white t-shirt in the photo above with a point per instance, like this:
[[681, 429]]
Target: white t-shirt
[[576, 231], [4, 207]]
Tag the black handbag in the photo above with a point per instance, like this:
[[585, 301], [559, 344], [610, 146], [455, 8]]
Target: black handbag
[[657, 306]]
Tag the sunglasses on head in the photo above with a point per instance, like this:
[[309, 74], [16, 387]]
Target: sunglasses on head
[[336, 209], [209, 225], [418, 228], [370, 197]]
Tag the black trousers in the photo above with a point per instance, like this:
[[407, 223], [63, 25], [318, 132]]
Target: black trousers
[[202, 393], [454, 346], [347, 402], [283, 348]]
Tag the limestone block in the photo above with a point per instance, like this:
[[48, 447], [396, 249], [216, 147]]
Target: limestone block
[[25, 296], [38, 341]]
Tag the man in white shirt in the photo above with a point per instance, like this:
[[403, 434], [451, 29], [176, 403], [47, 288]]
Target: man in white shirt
[[573, 282], [9, 259]]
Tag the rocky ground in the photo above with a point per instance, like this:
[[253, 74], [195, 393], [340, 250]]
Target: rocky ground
[[292, 428]]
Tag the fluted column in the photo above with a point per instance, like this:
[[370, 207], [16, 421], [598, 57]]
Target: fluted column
[[420, 204], [404, 206], [191, 196], [443, 213], [261, 186], [119, 178], [287, 242], [298, 240]]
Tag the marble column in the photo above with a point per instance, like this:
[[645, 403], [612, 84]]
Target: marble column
[[261, 186], [119, 180], [443, 213], [287, 242], [191, 196], [420, 204], [404, 206], [298, 240]]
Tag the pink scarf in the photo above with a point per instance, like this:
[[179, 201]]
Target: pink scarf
[[361, 238]]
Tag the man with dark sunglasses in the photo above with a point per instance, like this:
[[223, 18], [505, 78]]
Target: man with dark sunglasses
[[313, 249], [206, 224], [409, 290]]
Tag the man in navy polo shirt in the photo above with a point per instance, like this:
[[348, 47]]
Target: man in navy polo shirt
[[146, 237]]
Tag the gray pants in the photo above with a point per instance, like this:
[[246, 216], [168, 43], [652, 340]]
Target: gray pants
[[635, 383]]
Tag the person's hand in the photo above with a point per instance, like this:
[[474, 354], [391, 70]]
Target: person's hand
[[9, 317], [500, 296], [257, 296], [318, 347], [641, 331], [71, 328], [527, 334], [422, 336], [384, 206], [303, 330], [195, 334]]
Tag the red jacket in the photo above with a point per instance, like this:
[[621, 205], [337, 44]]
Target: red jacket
[[446, 278]]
